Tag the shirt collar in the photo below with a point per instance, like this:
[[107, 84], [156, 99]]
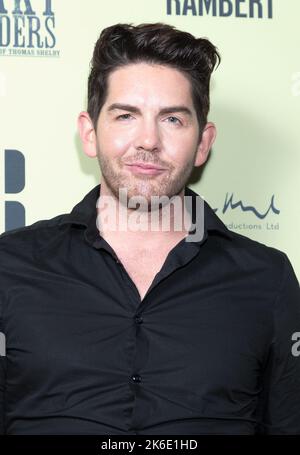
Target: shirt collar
[[84, 213]]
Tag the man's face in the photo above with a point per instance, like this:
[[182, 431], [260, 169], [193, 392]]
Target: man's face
[[148, 117]]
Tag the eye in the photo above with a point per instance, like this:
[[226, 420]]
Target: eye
[[176, 120], [124, 116]]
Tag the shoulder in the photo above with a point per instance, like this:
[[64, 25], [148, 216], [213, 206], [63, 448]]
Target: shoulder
[[19, 249], [249, 247], [241, 251], [26, 238], [252, 257]]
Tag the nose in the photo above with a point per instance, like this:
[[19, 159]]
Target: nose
[[148, 135]]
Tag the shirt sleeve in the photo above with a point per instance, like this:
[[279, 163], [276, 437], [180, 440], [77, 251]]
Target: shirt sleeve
[[279, 405]]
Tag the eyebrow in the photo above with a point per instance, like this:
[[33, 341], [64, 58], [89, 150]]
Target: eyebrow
[[136, 110]]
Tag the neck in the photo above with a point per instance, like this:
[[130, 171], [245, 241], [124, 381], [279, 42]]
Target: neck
[[158, 226]]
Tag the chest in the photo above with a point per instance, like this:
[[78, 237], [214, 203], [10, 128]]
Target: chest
[[142, 268]]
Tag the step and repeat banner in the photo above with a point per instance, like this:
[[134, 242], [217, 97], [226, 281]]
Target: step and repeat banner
[[252, 176]]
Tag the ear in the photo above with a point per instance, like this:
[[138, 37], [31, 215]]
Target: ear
[[208, 137], [87, 134]]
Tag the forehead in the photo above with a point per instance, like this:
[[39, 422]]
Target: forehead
[[149, 82]]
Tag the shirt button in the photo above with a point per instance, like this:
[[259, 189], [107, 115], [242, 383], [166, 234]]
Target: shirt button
[[138, 319], [136, 378]]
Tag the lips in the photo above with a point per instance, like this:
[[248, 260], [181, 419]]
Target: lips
[[146, 169], [146, 166]]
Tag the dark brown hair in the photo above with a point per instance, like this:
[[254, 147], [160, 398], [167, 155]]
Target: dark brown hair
[[159, 43]]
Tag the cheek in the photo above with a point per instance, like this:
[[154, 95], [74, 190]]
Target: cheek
[[181, 148], [112, 144]]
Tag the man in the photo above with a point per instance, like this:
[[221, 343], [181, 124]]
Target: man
[[128, 331]]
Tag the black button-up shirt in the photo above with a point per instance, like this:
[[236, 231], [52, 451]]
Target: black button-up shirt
[[210, 349]]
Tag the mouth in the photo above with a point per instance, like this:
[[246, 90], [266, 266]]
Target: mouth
[[147, 166], [144, 168]]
